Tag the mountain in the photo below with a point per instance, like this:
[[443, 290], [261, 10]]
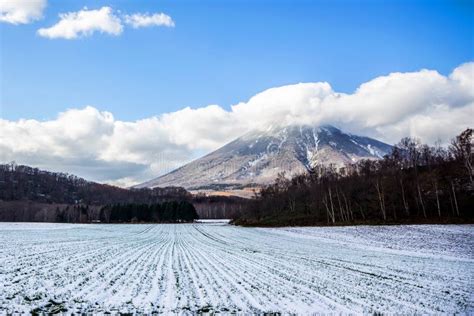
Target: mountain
[[258, 156]]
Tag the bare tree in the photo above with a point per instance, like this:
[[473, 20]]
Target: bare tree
[[462, 148]]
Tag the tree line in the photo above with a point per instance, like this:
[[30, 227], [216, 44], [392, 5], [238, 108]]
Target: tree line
[[31, 194], [24, 183], [415, 183], [166, 212], [214, 206]]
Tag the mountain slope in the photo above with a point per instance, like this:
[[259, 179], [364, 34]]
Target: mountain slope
[[257, 157]]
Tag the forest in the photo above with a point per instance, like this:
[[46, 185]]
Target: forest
[[416, 183], [30, 194], [24, 183], [166, 212]]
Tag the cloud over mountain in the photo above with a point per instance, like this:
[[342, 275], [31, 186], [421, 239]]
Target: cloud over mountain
[[93, 143]]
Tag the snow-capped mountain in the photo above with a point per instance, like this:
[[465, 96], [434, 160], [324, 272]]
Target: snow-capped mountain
[[258, 156]]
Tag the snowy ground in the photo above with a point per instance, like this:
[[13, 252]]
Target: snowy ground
[[219, 267]]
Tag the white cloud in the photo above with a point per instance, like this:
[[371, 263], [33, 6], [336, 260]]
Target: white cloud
[[84, 23], [138, 20], [95, 145], [387, 107], [21, 11]]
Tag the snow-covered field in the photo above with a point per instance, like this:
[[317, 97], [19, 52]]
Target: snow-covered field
[[219, 267]]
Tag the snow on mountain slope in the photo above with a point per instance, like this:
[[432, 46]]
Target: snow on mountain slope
[[258, 156]]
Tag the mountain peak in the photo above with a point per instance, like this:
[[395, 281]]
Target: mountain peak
[[259, 156]]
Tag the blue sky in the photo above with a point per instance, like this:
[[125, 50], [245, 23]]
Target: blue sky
[[168, 81], [224, 52]]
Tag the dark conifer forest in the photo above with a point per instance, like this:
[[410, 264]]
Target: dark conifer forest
[[166, 212], [416, 183]]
